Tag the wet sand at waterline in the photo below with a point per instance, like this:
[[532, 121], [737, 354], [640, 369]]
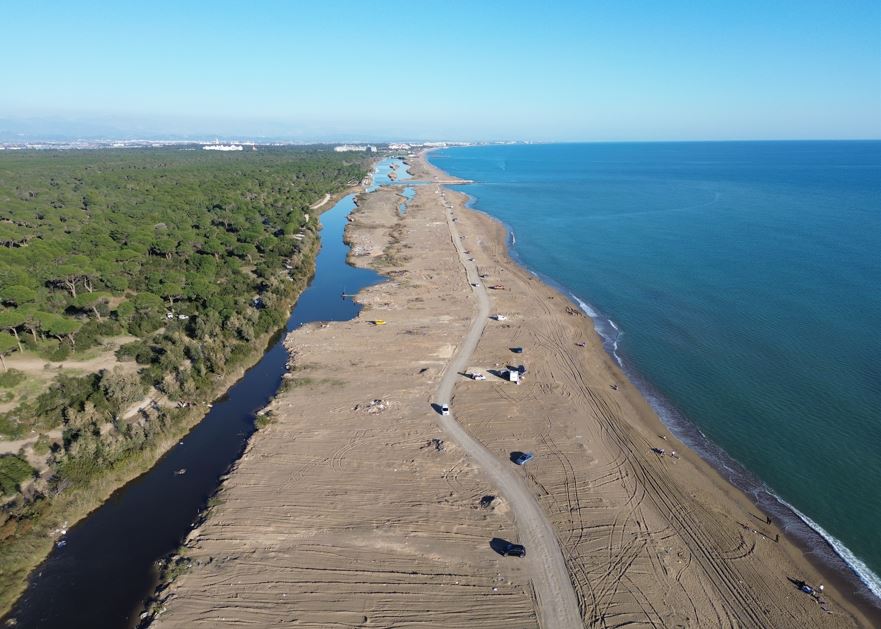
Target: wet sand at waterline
[[354, 507]]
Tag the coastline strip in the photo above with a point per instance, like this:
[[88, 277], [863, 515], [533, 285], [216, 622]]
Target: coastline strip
[[829, 555], [557, 603], [352, 507]]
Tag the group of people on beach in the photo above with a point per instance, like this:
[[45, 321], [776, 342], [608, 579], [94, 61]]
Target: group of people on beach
[[663, 452], [815, 592]]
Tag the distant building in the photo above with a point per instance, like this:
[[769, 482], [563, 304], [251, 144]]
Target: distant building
[[222, 147], [348, 148]]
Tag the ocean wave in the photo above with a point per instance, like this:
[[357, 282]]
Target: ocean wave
[[865, 574], [590, 312], [606, 328]]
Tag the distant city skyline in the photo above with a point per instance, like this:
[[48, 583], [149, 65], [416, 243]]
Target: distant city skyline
[[570, 71]]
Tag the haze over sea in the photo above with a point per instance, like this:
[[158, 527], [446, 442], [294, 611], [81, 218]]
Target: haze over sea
[[740, 284]]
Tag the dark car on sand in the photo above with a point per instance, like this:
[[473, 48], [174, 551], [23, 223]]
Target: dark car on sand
[[523, 457]]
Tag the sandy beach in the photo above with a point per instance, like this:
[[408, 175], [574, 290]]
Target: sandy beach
[[359, 505]]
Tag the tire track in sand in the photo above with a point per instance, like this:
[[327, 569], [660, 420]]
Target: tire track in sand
[[556, 602]]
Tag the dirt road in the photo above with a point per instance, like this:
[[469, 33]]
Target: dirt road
[[320, 202], [557, 605]]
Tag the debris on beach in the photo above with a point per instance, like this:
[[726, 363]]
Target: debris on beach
[[60, 531], [437, 444], [373, 408]]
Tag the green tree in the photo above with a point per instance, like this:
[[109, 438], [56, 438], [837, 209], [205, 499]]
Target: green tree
[[60, 327], [32, 318], [91, 302], [67, 276], [172, 288], [14, 470], [18, 295], [11, 320], [121, 389], [7, 346]]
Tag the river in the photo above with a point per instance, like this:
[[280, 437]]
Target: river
[[107, 566]]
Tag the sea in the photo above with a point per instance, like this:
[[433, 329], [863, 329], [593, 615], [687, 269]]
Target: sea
[[738, 284]]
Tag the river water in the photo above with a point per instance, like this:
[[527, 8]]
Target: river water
[[107, 567]]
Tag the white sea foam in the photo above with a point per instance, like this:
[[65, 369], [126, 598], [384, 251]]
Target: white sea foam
[[601, 328], [869, 578], [590, 312]]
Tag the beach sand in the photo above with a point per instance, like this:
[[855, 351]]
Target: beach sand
[[353, 508]]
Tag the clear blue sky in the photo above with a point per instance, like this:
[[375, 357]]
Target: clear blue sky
[[603, 70]]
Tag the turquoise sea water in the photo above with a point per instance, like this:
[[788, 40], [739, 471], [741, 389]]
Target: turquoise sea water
[[739, 283]]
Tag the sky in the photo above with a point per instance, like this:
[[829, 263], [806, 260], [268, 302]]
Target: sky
[[541, 71]]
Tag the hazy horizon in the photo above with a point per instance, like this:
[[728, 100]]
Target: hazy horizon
[[572, 72]]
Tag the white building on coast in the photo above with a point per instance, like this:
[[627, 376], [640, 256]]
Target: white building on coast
[[347, 148], [222, 147]]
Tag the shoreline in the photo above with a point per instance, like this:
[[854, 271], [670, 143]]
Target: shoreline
[[835, 569], [826, 558], [663, 538]]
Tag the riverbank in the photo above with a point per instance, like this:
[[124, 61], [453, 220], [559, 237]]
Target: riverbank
[[350, 507], [71, 507]]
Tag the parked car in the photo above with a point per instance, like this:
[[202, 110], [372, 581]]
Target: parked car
[[514, 550], [478, 376], [523, 458], [445, 410]]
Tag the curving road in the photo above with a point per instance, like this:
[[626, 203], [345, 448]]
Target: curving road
[[557, 605]]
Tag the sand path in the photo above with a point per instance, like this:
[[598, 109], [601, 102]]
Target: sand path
[[352, 508], [557, 604], [320, 202]]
